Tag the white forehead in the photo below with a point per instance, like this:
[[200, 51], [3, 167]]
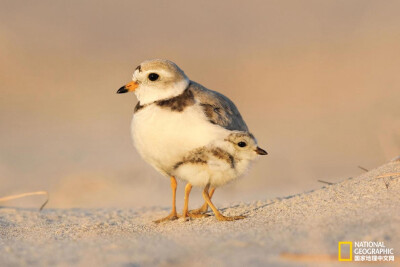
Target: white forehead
[[162, 72], [162, 67]]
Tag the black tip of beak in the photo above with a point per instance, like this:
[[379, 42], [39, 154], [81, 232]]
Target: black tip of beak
[[261, 151], [122, 90]]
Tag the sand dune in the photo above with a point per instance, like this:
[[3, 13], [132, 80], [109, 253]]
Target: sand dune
[[285, 231]]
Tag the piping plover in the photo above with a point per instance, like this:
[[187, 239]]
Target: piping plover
[[175, 116], [215, 165]]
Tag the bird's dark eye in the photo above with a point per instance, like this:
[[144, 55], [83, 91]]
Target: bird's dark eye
[[153, 76], [242, 144]]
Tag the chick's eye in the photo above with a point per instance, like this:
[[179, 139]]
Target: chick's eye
[[242, 144], [153, 76]]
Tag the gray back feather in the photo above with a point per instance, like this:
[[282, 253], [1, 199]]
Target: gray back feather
[[218, 108]]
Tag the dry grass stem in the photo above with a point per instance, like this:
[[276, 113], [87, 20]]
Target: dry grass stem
[[389, 175], [7, 198], [364, 169], [325, 182]]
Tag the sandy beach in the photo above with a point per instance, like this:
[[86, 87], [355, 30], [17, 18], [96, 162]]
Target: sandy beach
[[289, 231]]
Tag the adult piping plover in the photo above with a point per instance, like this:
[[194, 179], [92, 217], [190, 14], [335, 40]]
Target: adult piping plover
[[175, 116]]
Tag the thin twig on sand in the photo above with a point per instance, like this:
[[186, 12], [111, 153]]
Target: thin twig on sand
[[389, 175], [325, 182], [364, 169], [7, 198]]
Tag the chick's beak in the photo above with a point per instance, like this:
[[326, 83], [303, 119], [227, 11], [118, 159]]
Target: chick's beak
[[261, 151], [130, 87]]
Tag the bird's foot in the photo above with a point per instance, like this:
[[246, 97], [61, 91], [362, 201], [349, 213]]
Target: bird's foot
[[171, 217], [201, 210], [221, 217], [189, 215]]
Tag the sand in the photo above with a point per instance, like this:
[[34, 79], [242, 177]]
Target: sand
[[297, 230]]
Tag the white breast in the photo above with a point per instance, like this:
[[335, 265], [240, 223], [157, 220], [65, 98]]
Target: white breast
[[163, 137]]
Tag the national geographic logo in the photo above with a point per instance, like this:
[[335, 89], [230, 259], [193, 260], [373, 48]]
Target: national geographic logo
[[364, 251]]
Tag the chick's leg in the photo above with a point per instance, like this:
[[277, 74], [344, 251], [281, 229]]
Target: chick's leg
[[173, 215], [203, 209], [188, 188], [219, 216], [185, 213]]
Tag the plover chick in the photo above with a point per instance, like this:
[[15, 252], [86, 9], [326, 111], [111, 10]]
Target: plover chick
[[215, 165], [175, 116]]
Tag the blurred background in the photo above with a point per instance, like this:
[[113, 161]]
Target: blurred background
[[317, 82]]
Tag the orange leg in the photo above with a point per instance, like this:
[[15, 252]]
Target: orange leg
[[203, 209], [173, 215], [219, 216], [185, 213], [188, 188]]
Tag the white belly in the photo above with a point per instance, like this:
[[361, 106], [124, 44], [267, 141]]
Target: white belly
[[202, 174], [163, 137], [216, 172]]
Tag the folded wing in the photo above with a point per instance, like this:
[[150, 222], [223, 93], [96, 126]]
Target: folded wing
[[219, 109]]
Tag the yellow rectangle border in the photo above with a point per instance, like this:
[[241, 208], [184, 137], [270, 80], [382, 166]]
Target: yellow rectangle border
[[340, 250]]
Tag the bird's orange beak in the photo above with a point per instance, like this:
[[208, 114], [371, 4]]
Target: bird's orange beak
[[130, 87]]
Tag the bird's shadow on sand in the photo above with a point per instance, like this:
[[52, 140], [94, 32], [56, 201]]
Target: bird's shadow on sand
[[253, 211]]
